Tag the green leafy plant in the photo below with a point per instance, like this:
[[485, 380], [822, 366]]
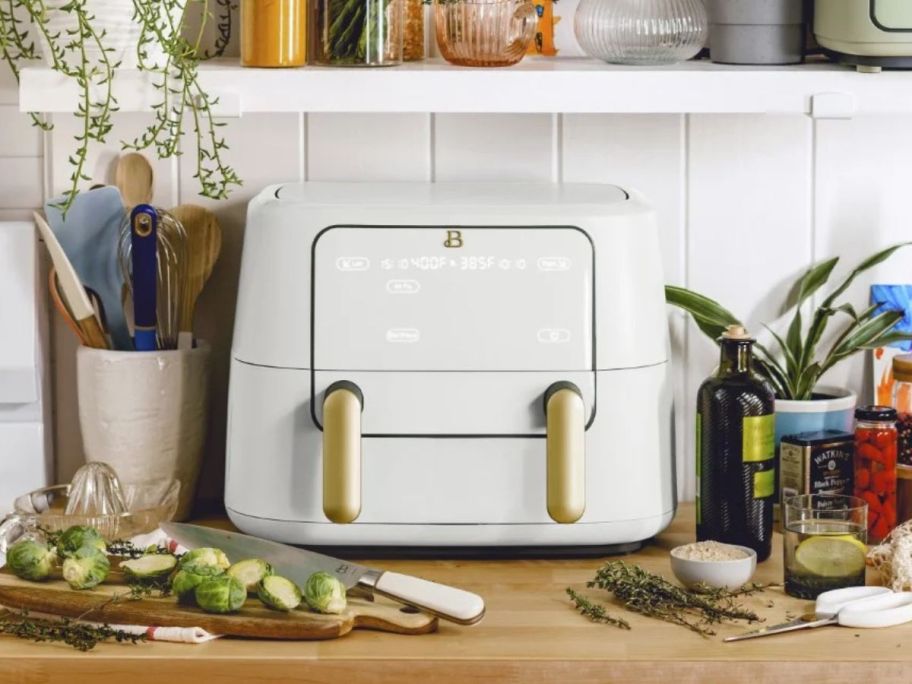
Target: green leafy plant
[[797, 363], [83, 55]]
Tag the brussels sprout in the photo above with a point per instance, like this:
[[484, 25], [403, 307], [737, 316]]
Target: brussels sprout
[[77, 537], [86, 568], [31, 560], [279, 593], [222, 594], [205, 561], [324, 593], [184, 583], [250, 572], [150, 565]]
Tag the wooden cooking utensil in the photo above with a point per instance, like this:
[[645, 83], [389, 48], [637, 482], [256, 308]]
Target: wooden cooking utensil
[[254, 620], [204, 242], [73, 294], [133, 177], [59, 304]]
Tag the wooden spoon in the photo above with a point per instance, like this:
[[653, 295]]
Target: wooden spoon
[[133, 177], [204, 242]]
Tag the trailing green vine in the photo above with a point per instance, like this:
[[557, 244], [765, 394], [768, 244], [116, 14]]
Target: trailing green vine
[[177, 81], [81, 53]]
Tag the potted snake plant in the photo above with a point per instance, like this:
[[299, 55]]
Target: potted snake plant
[[793, 364]]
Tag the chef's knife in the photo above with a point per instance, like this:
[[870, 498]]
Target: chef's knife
[[448, 603]]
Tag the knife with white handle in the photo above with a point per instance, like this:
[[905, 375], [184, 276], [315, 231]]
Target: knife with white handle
[[448, 603]]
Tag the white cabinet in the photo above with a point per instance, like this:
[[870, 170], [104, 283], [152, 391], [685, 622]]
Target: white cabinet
[[25, 454]]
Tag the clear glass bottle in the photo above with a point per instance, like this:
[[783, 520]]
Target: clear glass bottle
[[641, 32], [902, 402], [484, 33], [875, 467], [273, 33], [359, 32]]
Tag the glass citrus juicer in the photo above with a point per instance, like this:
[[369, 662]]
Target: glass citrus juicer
[[94, 498]]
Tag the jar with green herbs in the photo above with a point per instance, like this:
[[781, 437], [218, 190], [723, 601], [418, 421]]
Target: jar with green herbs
[[359, 32]]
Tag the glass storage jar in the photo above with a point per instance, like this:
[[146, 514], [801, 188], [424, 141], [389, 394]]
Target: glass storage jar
[[641, 32], [875, 467], [273, 33], [902, 402], [358, 32], [484, 33], [413, 31]]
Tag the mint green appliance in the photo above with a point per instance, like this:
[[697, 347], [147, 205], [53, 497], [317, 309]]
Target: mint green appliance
[[869, 34]]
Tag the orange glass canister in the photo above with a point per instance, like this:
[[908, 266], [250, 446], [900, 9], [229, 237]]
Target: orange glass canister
[[273, 33]]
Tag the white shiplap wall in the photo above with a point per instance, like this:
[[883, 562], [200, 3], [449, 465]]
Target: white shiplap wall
[[745, 204]]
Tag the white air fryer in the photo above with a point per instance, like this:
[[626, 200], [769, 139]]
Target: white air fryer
[[451, 365]]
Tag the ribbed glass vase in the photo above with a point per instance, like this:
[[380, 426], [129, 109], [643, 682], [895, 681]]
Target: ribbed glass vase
[[641, 32]]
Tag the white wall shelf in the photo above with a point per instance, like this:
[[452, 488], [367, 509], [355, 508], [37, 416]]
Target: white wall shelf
[[535, 85]]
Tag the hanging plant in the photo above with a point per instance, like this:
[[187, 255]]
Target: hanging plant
[[78, 44]]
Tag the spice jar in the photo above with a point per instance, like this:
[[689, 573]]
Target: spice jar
[[413, 31], [358, 32], [875, 467], [902, 402], [273, 33]]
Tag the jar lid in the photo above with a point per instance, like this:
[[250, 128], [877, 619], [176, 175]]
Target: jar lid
[[902, 367], [884, 413]]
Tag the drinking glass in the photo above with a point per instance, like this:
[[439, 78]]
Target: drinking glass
[[825, 543], [484, 32]]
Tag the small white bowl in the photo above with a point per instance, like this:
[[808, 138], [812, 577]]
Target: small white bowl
[[726, 574]]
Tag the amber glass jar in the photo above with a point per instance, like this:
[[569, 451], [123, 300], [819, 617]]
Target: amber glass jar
[[413, 31], [273, 33]]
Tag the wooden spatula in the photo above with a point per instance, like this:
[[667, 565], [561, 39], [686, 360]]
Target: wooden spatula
[[133, 177], [71, 290], [204, 242]]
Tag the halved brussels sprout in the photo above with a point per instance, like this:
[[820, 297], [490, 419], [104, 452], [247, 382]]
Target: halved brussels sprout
[[250, 572], [279, 593], [148, 566], [222, 594], [324, 593], [31, 560], [74, 538], [205, 561], [86, 568]]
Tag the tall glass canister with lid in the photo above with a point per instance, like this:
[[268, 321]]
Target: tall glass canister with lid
[[902, 402], [359, 32], [273, 33]]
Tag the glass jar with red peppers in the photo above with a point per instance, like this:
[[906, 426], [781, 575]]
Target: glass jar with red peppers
[[875, 467]]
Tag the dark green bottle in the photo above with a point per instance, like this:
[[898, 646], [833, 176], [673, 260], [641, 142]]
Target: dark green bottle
[[736, 453]]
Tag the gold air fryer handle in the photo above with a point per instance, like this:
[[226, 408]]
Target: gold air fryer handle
[[566, 452], [342, 405]]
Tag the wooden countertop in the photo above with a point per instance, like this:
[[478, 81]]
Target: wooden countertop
[[530, 634]]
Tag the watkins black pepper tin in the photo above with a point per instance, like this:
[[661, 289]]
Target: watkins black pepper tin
[[817, 463]]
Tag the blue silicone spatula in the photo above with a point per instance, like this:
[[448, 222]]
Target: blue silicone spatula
[[144, 243]]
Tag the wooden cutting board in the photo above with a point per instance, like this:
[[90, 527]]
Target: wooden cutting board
[[109, 603]]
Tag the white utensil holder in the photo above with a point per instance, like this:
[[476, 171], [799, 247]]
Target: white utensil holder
[[146, 413]]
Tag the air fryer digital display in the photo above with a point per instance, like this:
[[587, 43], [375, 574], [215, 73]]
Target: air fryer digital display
[[891, 15], [453, 298]]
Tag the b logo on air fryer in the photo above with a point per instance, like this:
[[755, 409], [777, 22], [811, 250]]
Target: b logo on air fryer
[[454, 239]]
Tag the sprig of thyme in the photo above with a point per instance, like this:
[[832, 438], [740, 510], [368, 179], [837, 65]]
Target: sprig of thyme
[[594, 611], [79, 635], [651, 595]]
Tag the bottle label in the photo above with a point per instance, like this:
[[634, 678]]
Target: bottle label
[[764, 483], [699, 441], [759, 438]]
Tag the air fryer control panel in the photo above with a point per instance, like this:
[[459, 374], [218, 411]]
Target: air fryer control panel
[[892, 15], [453, 299]]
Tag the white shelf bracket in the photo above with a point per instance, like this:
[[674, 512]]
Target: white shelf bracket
[[833, 106]]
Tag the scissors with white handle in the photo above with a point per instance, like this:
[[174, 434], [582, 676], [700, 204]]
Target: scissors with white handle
[[861, 607]]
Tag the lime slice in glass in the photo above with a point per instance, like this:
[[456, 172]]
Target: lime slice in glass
[[831, 556]]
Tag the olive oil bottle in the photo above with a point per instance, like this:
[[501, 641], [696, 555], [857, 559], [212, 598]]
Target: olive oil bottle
[[736, 455]]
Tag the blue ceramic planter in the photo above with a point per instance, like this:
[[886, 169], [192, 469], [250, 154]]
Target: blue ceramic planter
[[834, 410]]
